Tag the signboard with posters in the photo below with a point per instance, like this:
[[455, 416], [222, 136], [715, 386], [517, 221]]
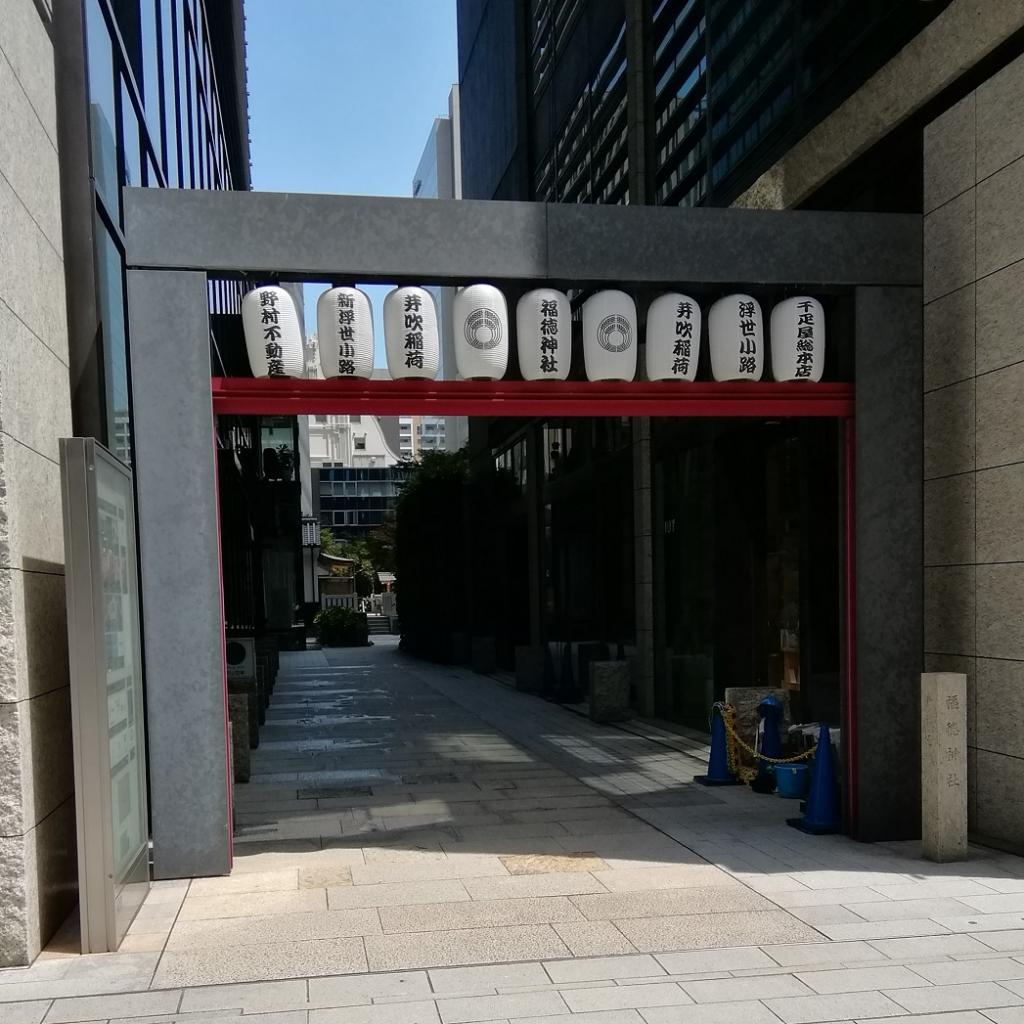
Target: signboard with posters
[[106, 691]]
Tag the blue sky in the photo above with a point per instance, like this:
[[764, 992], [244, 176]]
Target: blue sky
[[342, 95]]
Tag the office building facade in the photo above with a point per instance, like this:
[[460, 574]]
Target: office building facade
[[417, 434], [356, 474], [888, 107], [667, 102], [97, 95], [349, 440], [354, 502], [439, 176]]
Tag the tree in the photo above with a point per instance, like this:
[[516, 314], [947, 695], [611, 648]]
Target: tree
[[364, 571], [430, 554], [380, 545]]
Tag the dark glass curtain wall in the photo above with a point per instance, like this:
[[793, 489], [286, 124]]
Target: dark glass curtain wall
[[748, 568]]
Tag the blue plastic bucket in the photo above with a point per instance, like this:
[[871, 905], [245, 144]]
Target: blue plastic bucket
[[791, 780]]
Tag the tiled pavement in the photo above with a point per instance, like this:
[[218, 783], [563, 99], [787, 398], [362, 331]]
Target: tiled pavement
[[420, 844]]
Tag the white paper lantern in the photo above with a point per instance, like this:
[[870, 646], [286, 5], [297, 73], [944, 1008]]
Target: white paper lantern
[[610, 336], [344, 323], [410, 333], [673, 338], [798, 339], [544, 335], [273, 337], [736, 338], [480, 326]]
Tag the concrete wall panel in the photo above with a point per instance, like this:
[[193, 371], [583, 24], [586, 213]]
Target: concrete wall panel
[[31, 273], [949, 146], [949, 246], [1000, 120], [949, 416], [1000, 219], [37, 826], [949, 339], [28, 156], [999, 313]]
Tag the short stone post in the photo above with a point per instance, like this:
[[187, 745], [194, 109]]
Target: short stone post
[[248, 687], [944, 766], [529, 668], [609, 691], [586, 654], [266, 647], [461, 649], [263, 687], [484, 655], [238, 714]]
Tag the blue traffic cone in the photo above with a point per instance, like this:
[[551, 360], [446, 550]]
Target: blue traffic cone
[[821, 811], [770, 710], [718, 760]]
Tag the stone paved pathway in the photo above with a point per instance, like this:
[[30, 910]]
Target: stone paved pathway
[[421, 844]]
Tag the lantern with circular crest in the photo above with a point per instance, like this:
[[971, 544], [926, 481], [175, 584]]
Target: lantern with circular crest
[[610, 336], [480, 325]]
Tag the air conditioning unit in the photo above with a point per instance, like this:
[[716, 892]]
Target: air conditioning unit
[[240, 655]]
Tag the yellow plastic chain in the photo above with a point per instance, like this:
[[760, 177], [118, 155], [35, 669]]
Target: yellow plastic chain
[[728, 713]]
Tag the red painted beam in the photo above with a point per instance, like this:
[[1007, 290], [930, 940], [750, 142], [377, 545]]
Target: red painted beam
[[850, 746], [265, 396]]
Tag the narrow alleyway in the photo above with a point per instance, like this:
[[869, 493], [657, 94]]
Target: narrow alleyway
[[422, 844], [390, 826]]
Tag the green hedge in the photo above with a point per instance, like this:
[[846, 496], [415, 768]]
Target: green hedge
[[342, 627]]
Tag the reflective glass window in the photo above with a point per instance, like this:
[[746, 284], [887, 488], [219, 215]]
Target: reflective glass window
[[184, 101], [130, 139], [149, 17], [102, 109], [110, 288], [170, 105]]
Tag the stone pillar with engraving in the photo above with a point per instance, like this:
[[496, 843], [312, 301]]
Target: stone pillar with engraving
[[944, 766]]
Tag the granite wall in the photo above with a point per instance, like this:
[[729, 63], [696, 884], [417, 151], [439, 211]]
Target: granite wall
[[974, 432], [37, 811]]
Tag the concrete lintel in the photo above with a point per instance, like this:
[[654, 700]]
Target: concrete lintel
[[456, 241], [343, 237], [658, 244]]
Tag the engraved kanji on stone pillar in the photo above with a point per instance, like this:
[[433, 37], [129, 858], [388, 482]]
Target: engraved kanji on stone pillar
[[944, 766]]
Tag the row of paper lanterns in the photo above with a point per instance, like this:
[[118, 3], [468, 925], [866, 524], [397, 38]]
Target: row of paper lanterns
[[736, 335]]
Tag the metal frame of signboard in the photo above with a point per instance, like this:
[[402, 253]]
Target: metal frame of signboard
[[107, 903]]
